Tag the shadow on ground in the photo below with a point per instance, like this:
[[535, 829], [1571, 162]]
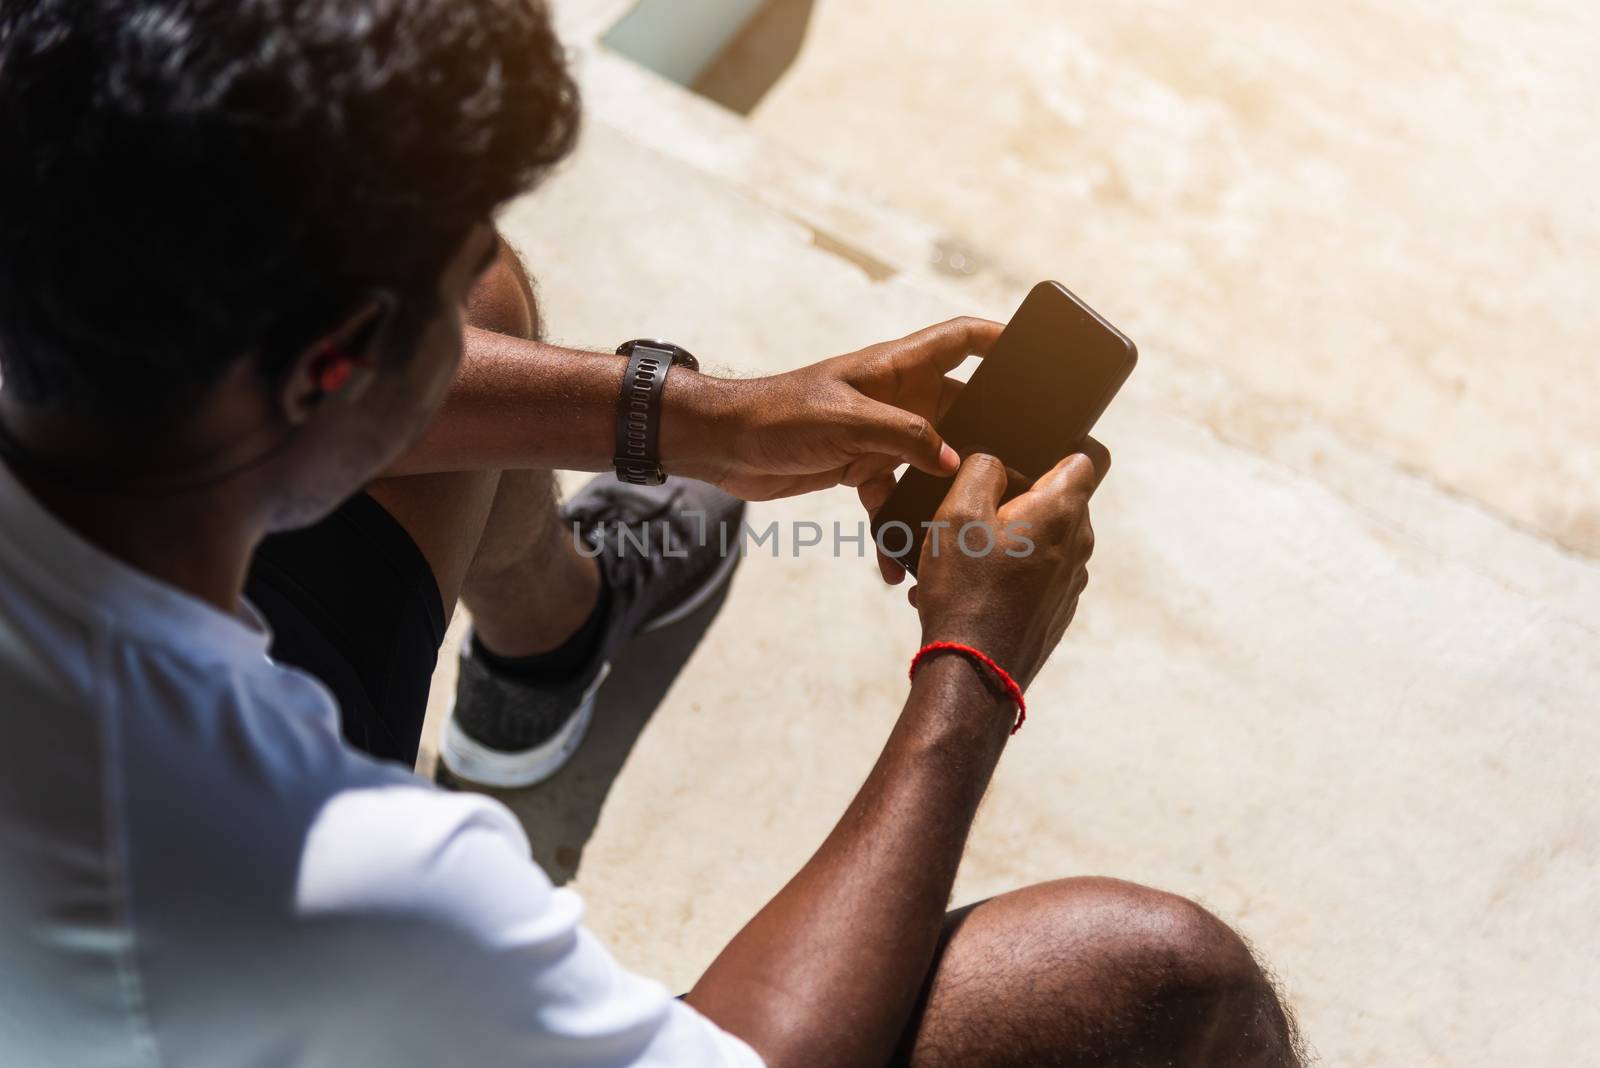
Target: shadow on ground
[[560, 815]]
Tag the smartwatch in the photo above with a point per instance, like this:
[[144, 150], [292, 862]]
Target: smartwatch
[[638, 451]]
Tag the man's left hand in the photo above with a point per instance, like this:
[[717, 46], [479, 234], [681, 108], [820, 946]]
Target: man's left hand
[[850, 420]]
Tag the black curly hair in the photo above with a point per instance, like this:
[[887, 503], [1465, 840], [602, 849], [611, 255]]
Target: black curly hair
[[185, 182]]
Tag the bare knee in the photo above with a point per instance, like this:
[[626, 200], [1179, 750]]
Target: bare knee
[[1170, 980], [502, 301], [1096, 971]]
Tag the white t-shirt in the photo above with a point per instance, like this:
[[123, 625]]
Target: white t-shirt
[[195, 870]]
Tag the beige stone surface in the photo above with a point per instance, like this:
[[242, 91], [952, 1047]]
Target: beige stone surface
[[1351, 711], [1381, 213]]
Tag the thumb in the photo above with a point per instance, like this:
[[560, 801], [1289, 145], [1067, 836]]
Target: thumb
[[907, 437]]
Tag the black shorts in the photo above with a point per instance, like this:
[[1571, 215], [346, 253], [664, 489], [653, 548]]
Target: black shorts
[[353, 602]]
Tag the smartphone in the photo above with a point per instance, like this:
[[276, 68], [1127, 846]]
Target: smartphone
[[1031, 402]]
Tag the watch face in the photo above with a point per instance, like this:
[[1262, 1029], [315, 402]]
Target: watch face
[[680, 356]]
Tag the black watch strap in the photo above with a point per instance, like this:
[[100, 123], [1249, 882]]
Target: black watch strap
[[638, 449]]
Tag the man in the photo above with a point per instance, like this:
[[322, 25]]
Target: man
[[238, 244]]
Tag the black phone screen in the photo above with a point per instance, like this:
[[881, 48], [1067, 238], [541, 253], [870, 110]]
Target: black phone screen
[[1031, 402]]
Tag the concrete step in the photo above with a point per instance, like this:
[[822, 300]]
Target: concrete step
[[1351, 712], [1381, 217], [885, 242]]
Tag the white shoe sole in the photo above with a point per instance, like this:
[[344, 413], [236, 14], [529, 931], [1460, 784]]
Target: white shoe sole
[[478, 763]]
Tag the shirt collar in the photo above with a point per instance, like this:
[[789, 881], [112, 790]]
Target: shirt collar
[[91, 582]]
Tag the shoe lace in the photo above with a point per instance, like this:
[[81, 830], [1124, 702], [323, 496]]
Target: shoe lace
[[634, 550]]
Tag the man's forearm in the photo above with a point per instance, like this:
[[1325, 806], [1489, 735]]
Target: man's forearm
[[829, 971], [520, 404]]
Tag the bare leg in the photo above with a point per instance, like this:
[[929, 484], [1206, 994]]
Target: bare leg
[[495, 538], [528, 588], [1095, 972]]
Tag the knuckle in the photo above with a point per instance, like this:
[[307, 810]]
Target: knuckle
[[952, 331], [1070, 510], [958, 510], [953, 508]]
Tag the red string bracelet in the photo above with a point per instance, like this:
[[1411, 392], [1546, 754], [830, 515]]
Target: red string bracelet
[[996, 673]]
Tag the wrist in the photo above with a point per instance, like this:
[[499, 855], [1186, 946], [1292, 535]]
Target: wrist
[[698, 417], [958, 685], [986, 639]]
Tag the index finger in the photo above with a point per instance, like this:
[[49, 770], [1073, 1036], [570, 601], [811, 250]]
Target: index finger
[[977, 490], [946, 344]]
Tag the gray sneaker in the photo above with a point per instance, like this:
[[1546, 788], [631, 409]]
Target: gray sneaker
[[660, 551]]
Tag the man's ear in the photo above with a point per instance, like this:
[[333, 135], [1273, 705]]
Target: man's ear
[[340, 362]]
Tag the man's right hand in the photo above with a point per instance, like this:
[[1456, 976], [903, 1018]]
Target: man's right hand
[[857, 926], [1015, 600]]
